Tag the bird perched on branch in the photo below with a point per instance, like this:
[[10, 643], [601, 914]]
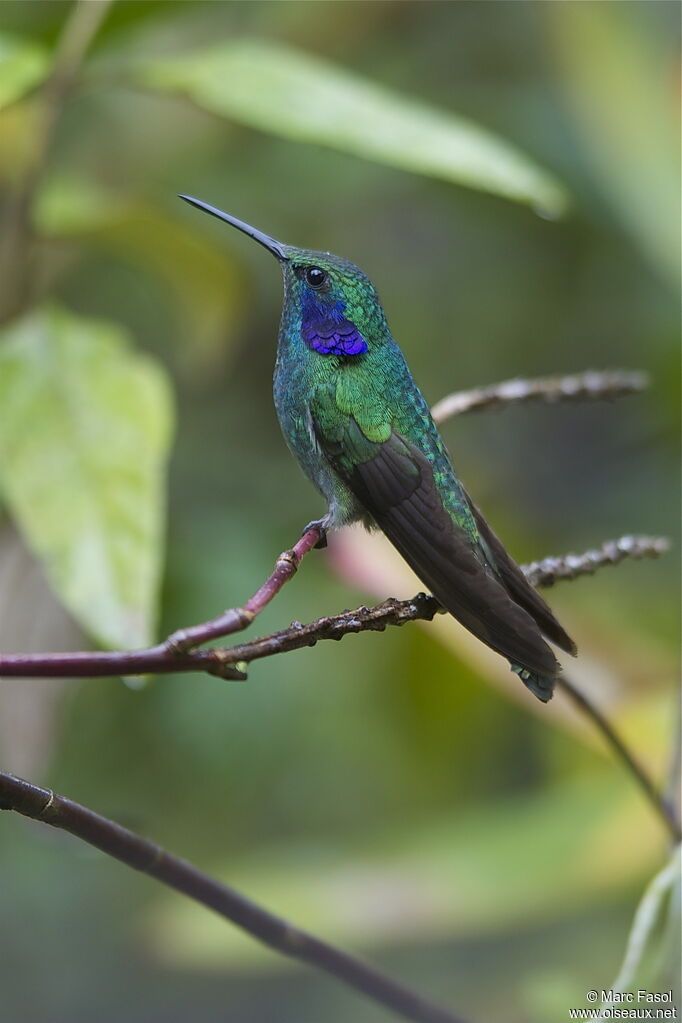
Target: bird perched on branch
[[356, 421]]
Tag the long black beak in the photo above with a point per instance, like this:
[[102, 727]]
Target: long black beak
[[273, 246]]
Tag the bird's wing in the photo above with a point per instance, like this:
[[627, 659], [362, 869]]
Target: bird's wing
[[518, 586], [394, 481]]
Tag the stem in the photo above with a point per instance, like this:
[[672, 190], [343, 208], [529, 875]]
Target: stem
[[671, 794], [593, 384], [141, 854]]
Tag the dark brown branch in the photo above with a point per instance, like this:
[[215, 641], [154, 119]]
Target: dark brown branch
[[141, 854], [593, 384], [362, 619], [656, 799], [170, 657]]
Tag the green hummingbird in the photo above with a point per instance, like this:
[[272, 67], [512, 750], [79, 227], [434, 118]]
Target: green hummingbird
[[362, 432]]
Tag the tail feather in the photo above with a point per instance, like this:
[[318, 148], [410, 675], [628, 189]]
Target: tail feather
[[519, 589], [541, 686], [398, 488]]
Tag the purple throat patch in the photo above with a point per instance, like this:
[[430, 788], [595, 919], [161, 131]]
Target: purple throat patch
[[334, 337]]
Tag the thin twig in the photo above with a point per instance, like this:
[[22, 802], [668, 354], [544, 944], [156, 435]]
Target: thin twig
[[673, 784], [570, 566], [237, 618], [141, 854], [172, 655], [421, 607], [655, 798], [593, 384]]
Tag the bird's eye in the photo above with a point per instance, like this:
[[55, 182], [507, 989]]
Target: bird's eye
[[315, 277]]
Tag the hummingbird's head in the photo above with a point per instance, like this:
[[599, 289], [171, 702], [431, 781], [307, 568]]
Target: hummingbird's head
[[331, 302]]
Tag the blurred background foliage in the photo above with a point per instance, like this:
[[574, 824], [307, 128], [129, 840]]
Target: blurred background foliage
[[379, 791]]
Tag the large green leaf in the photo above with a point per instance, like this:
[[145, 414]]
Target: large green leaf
[[281, 90], [23, 64], [84, 436]]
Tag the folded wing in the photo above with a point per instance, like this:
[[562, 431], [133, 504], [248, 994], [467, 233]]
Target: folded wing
[[394, 481]]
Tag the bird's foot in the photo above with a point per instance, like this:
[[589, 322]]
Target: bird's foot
[[320, 524]]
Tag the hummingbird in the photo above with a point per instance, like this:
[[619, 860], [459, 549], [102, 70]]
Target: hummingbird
[[362, 432]]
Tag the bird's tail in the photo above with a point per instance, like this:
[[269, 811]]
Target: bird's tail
[[541, 686]]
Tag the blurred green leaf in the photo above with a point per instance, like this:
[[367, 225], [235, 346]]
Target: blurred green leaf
[[84, 436], [279, 89], [23, 64], [625, 99]]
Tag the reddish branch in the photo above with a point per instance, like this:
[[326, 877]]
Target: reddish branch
[[237, 618], [176, 653]]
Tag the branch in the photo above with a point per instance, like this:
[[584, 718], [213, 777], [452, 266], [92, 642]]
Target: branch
[[236, 619], [173, 655], [423, 607], [593, 384], [571, 566], [231, 662], [141, 854]]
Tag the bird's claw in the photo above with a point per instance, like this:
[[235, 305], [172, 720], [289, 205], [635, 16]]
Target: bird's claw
[[318, 524]]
